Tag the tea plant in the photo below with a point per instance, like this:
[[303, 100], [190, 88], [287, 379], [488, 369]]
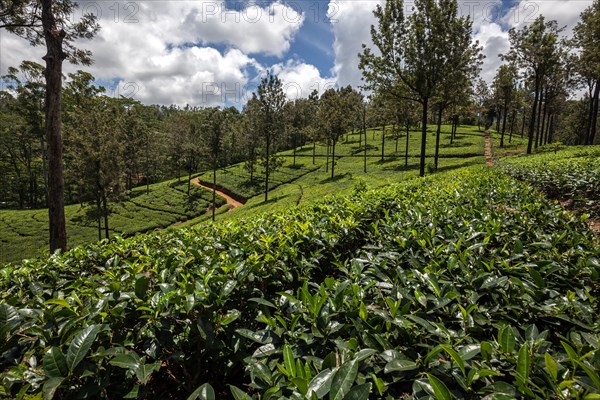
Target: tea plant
[[469, 287]]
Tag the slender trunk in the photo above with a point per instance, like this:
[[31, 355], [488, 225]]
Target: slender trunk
[[512, 125], [539, 113], [504, 122], [189, 183], [267, 167], [105, 205], [547, 134], [437, 137], [360, 138], [214, 191], [424, 136], [383, 143], [314, 151], [44, 172], [594, 121], [364, 128], [544, 112], [327, 158], [99, 215], [148, 165], [551, 134], [533, 115], [333, 157], [53, 74], [294, 155], [406, 150], [523, 123], [498, 112]]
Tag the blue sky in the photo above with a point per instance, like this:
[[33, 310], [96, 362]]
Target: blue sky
[[211, 52]]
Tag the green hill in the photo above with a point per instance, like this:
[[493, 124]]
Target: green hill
[[24, 233]]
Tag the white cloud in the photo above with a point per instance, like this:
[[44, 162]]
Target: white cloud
[[352, 27], [300, 79], [158, 51]]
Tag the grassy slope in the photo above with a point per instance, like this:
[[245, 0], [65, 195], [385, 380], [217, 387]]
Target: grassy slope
[[467, 150], [24, 233]]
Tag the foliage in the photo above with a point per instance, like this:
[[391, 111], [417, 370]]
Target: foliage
[[572, 173], [469, 286]]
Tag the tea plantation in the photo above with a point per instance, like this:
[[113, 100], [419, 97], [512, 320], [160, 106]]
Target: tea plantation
[[467, 284]]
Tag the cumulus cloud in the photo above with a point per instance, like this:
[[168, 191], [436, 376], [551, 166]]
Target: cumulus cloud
[[490, 27], [300, 79], [351, 24], [159, 51]]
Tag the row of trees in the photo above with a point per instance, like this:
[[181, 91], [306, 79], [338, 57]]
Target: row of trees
[[541, 71], [112, 145]]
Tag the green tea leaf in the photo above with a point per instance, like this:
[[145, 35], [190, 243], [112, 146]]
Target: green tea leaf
[[238, 394], [400, 365], [129, 361], [204, 392], [343, 380], [144, 371], [439, 388], [288, 360], [9, 319], [360, 392], [55, 364], [50, 386], [506, 339], [80, 345], [486, 350], [231, 316], [321, 383], [551, 366], [523, 365]]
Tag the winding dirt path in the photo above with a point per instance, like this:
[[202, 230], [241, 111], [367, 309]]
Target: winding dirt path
[[488, 149], [231, 202]]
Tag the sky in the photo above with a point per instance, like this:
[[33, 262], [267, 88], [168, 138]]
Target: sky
[[206, 53]]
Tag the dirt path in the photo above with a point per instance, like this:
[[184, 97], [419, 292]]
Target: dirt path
[[488, 149], [231, 202]]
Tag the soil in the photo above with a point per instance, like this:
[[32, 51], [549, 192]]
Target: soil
[[230, 201]]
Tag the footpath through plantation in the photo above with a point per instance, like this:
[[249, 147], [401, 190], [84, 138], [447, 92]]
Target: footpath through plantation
[[465, 284]]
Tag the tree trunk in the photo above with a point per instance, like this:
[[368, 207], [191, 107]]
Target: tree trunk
[[314, 151], [383, 144], [543, 115], [424, 136], [105, 204], [512, 125], [333, 157], [327, 158], [594, 120], [267, 166], [406, 150], [523, 123], [504, 122], [189, 183], [437, 137], [364, 128], [53, 74], [551, 135], [533, 115], [539, 113], [214, 191], [99, 215]]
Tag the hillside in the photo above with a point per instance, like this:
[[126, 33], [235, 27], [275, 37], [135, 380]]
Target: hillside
[[466, 284], [24, 233]]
